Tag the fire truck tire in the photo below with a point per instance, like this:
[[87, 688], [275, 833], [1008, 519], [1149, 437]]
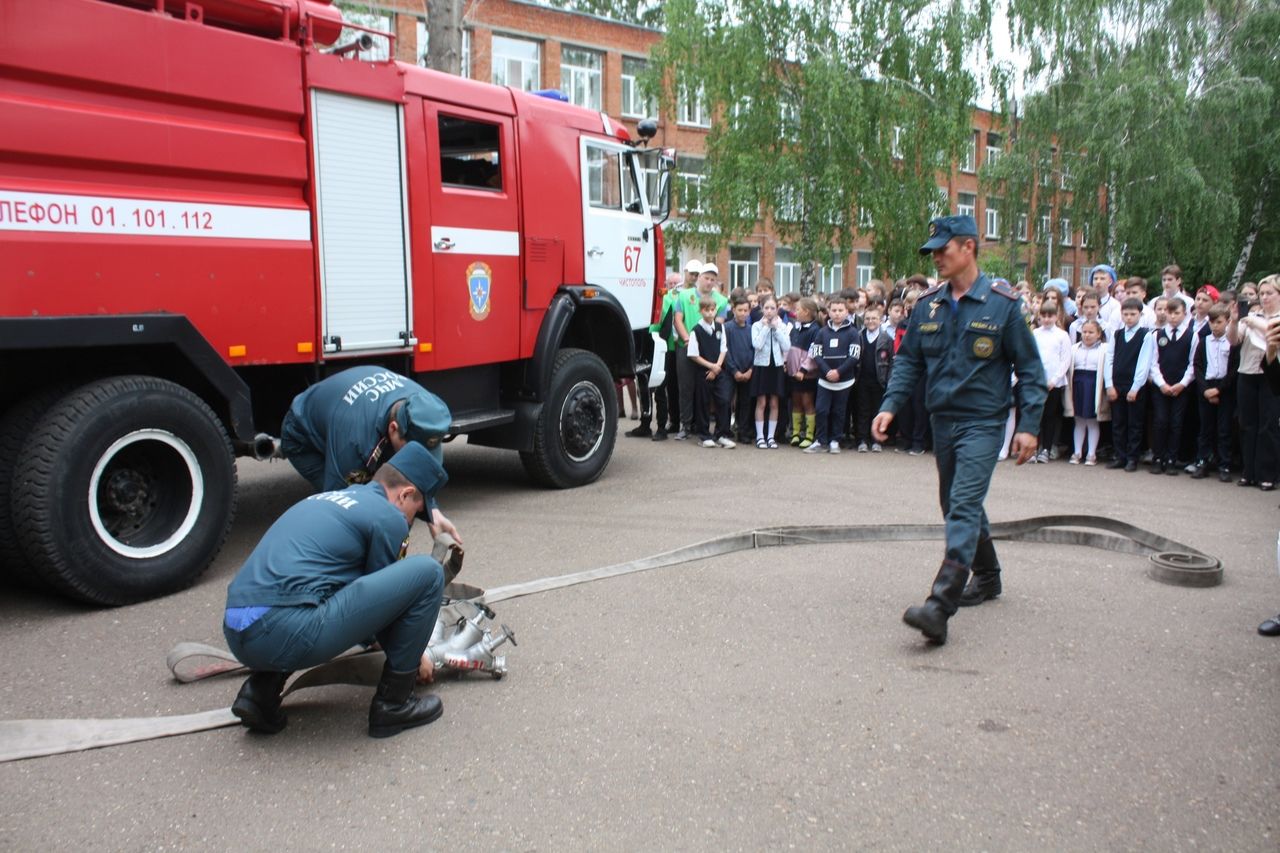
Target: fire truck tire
[[16, 425], [574, 435], [127, 493]]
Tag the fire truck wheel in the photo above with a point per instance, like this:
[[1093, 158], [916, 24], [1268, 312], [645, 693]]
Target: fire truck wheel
[[16, 425], [127, 492], [573, 437]]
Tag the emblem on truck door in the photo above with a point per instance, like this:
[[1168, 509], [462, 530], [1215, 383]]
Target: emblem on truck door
[[479, 279]]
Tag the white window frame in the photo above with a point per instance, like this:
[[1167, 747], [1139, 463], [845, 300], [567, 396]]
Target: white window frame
[[831, 278], [582, 83], [942, 204], [786, 273], [1067, 272], [866, 267], [1064, 231], [993, 152], [992, 216], [524, 64], [970, 162], [895, 147], [634, 104], [1022, 227], [744, 273], [424, 44], [693, 113], [966, 209], [1046, 227], [686, 179]]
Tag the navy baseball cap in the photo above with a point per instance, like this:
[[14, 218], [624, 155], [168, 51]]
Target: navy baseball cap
[[425, 418], [944, 228], [420, 467]]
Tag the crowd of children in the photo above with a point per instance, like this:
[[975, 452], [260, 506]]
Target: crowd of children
[[1170, 379]]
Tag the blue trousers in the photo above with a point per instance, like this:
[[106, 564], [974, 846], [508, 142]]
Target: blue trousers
[[306, 460], [831, 407], [397, 605], [965, 452]]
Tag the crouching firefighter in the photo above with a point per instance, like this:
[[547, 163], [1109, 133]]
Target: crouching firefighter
[[332, 573]]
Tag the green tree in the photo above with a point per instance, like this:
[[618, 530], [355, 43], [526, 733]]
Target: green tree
[[828, 118], [1155, 126], [643, 12]]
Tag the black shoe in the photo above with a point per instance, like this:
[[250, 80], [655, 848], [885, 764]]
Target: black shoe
[[258, 702], [660, 435], [931, 617], [1199, 473], [984, 584], [1130, 467], [642, 431], [1116, 463], [1224, 476], [1267, 487], [1157, 467], [1270, 628], [1245, 481], [1172, 469], [394, 707]]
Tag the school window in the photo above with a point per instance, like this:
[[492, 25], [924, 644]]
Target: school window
[[604, 179], [381, 48], [581, 71], [866, 269], [469, 153], [966, 204], [1067, 272], [1042, 232], [941, 205], [1064, 176], [634, 103], [1046, 169], [690, 181], [740, 110], [969, 163], [1085, 280], [865, 222], [691, 108], [993, 219], [517, 63], [1084, 236], [831, 278], [995, 145], [789, 121], [790, 205], [424, 44], [744, 266], [1064, 231], [1022, 227], [786, 272], [896, 147]]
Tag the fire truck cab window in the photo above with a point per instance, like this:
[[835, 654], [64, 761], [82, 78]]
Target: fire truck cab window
[[469, 153], [604, 178]]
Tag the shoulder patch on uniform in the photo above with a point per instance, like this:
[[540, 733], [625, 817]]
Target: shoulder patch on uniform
[[1004, 290], [930, 292]]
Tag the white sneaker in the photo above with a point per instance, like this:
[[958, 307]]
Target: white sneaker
[[862, 447], [708, 442], [1042, 457], [728, 443], [833, 447], [1092, 460], [876, 448], [814, 448], [681, 435], [1074, 460]]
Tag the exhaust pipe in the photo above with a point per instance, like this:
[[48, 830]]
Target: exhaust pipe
[[265, 447]]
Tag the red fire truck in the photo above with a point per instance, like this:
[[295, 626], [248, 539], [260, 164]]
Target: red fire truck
[[206, 206]]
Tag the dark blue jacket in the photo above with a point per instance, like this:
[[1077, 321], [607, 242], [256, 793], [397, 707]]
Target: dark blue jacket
[[738, 358]]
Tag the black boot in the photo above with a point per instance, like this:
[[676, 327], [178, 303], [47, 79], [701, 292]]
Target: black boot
[[394, 707], [258, 702], [931, 617], [985, 583]]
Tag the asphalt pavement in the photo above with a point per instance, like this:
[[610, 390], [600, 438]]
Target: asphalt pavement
[[771, 699]]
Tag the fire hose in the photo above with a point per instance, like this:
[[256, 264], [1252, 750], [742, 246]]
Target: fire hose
[[463, 642]]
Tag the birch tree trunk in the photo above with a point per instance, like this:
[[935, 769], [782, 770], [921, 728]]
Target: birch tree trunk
[[1251, 237]]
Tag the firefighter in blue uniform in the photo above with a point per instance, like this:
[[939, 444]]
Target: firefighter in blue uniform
[[965, 335], [340, 430], [332, 573]]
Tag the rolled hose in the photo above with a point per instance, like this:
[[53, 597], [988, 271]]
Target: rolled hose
[[1171, 562]]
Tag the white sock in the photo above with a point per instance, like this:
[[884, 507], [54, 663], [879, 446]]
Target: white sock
[[759, 430], [769, 427]]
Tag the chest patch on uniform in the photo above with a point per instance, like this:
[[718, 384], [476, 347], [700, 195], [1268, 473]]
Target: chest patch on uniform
[[984, 326], [928, 327], [983, 347]]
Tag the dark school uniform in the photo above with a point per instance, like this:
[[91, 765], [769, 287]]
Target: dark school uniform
[[874, 364], [1172, 366], [1214, 368], [706, 342], [738, 360], [836, 348]]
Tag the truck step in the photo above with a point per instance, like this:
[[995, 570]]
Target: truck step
[[478, 419]]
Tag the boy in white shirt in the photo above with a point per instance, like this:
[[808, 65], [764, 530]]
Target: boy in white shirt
[[1124, 376]]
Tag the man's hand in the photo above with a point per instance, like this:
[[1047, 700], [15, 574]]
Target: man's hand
[[426, 669], [1112, 394], [1023, 447], [833, 375], [880, 426], [439, 524]]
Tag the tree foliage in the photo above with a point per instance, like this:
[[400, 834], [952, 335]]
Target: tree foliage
[[1165, 116], [830, 116], [642, 12]]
